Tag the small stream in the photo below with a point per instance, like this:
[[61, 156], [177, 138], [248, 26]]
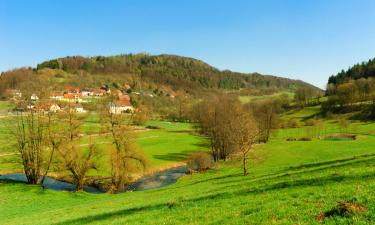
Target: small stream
[[156, 180], [50, 183]]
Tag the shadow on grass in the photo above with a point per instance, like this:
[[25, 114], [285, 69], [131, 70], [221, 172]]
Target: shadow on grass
[[109, 215], [234, 183], [279, 186], [301, 170], [180, 156], [310, 165]]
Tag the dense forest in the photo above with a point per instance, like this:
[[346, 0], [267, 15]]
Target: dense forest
[[353, 90], [148, 71], [360, 70]]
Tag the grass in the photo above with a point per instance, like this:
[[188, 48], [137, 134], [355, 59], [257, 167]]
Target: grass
[[249, 98], [289, 183], [164, 147]]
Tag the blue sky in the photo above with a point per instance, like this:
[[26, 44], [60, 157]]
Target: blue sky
[[307, 40]]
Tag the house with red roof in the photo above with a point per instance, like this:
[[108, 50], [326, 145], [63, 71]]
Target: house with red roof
[[120, 106]]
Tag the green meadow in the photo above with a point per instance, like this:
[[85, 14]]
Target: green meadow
[[167, 146], [290, 182]]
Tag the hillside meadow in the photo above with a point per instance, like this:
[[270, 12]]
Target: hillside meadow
[[168, 144], [290, 182]]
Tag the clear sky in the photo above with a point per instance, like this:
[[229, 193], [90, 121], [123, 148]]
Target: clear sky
[[301, 39]]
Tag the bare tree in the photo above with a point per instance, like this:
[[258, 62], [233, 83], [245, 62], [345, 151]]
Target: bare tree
[[78, 163], [54, 140], [31, 136], [74, 157], [126, 157], [266, 114], [243, 135]]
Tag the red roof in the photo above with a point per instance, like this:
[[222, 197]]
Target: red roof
[[47, 106], [123, 103], [100, 91], [72, 95]]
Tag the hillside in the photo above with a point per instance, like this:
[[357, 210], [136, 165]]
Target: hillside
[[315, 182], [360, 70], [142, 71]]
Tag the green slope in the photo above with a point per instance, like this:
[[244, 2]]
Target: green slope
[[289, 183]]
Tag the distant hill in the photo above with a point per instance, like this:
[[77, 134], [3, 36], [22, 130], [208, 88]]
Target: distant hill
[[360, 70], [171, 71]]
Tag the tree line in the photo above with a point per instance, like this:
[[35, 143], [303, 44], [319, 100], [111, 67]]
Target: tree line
[[352, 95], [360, 70], [176, 71]]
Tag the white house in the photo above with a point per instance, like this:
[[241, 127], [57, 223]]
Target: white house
[[34, 97], [87, 93], [50, 107], [57, 96], [119, 107], [79, 108]]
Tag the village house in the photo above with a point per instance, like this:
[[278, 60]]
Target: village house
[[120, 106], [57, 96], [99, 92], [49, 107], [79, 108], [87, 93], [73, 97], [34, 97]]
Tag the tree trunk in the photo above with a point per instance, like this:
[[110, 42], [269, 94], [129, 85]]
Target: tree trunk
[[79, 184], [245, 173]]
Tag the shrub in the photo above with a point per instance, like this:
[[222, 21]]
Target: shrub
[[291, 139], [305, 139], [292, 123], [200, 161], [152, 127], [141, 116], [310, 122]]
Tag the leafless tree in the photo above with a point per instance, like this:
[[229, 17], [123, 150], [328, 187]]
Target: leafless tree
[[31, 135], [79, 162], [126, 157]]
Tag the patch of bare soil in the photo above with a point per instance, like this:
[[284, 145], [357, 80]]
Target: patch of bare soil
[[343, 209]]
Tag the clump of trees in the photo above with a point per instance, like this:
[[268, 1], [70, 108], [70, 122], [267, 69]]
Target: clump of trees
[[54, 140], [230, 128], [352, 89], [307, 96], [350, 96]]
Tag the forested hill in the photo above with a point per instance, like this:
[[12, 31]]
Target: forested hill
[[171, 71], [360, 70]]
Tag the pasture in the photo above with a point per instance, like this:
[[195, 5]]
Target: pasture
[[289, 183]]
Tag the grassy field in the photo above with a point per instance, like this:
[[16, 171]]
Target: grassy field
[[289, 183], [165, 147], [247, 98]]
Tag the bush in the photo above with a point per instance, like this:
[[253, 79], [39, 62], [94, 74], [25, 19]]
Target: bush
[[310, 122], [291, 139], [200, 161], [152, 127], [292, 123], [141, 116], [305, 139]]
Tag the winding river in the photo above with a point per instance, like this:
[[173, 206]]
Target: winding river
[[156, 180]]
